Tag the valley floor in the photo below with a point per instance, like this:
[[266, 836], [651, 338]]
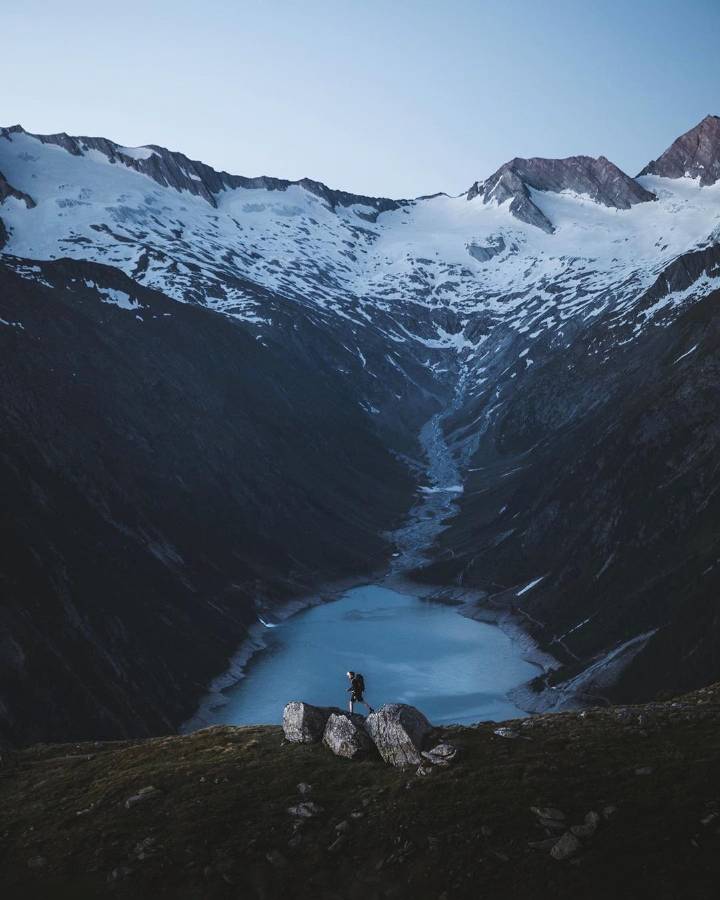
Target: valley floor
[[206, 815]]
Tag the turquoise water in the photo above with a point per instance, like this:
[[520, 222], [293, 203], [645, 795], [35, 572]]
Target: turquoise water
[[410, 651]]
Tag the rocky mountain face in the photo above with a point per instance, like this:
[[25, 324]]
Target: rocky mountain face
[[213, 389], [695, 154], [598, 179]]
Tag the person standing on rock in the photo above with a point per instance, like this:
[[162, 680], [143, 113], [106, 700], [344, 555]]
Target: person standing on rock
[[356, 691]]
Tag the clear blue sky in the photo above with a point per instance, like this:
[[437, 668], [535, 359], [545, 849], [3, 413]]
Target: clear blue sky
[[388, 97]]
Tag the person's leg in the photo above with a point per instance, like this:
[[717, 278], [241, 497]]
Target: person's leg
[[369, 708], [350, 706]]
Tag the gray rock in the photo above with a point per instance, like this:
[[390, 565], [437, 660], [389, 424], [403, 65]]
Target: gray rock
[[304, 787], [399, 732], [305, 810], [345, 735], [589, 827], [506, 733], [565, 847], [441, 755], [304, 723], [548, 812], [424, 771], [147, 793]]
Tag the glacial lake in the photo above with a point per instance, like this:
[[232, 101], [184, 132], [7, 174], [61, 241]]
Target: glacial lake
[[410, 651]]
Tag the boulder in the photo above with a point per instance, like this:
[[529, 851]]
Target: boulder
[[399, 732], [441, 755], [345, 735], [304, 723], [565, 847]]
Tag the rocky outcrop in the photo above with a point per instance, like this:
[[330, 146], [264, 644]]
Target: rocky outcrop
[[7, 190], [485, 252], [304, 723], [695, 154], [399, 732], [599, 179], [345, 735]]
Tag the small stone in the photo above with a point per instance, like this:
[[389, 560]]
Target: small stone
[[506, 733], [37, 862], [424, 771], [304, 787], [548, 812], [356, 814], [441, 755], [565, 847], [342, 826], [146, 793], [644, 770], [609, 811], [305, 810]]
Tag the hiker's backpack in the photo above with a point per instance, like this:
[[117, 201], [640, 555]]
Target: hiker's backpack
[[359, 684]]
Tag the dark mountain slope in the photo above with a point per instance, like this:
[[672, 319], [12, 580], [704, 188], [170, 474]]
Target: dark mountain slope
[[600, 477], [164, 474]]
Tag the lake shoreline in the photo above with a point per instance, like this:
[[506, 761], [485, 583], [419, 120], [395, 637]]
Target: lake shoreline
[[466, 603]]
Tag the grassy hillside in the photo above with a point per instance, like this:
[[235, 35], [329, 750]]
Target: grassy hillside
[[206, 815]]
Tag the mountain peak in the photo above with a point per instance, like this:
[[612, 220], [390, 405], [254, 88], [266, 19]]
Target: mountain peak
[[599, 179], [695, 154]]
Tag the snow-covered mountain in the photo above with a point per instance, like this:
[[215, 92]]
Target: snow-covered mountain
[[538, 313]]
